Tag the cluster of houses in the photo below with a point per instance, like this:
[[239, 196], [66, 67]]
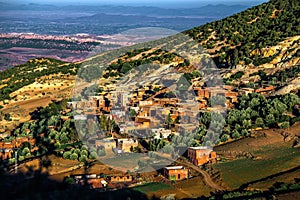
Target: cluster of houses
[[101, 181], [117, 146], [146, 108], [7, 148], [197, 155], [152, 105]]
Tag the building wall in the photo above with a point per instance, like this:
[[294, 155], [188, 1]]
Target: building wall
[[118, 179], [126, 144], [201, 156], [95, 182], [6, 154], [176, 174], [109, 146]]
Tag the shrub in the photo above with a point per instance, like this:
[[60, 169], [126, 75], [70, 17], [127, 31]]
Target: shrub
[[74, 156], [285, 125], [21, 158], [69, 180], [7, 117], [11, 160], [25, 151], [235, 134], [84, 153], [66, 155], [93, 155], [101, 152], [84, 147], [83, 158]]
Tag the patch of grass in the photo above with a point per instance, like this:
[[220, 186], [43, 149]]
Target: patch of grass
[[124, 161], [151, 187], [275, 160]]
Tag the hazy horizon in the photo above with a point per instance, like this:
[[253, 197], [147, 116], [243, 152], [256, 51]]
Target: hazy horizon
[[154, 3]]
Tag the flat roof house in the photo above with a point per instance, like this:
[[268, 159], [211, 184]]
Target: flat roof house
[[161, 133], [120, 179], [201, 155], [175, 173], [126, 144], [5, 153], [108, 144]]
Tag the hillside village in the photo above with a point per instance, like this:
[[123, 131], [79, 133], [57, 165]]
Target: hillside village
[[226, 138], [153, 115]]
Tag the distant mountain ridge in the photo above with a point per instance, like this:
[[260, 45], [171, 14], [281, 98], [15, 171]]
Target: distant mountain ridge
[[207, 10], [233, 39], [257, 46]]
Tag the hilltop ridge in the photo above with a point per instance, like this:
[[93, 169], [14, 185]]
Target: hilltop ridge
[[250, 114]]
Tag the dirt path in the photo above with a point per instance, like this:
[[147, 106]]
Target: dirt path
[[205, 175]]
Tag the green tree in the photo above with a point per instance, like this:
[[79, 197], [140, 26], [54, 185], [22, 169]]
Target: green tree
[[169, 121], [82, 158], [25, 151], [246, 124], [125, 68], [259, 122], [74, 156], [101, 152], [270, 120], [69, 180], [93, 155], [63, 138], [103, 122], [236, 134], [245, 133], [21, 158], [67, 155], [54, 120], [84, 153], [285, 125], [7, 117], [132, 113]]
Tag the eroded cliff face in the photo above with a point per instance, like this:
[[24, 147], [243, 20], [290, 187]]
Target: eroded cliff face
[[285, 53]]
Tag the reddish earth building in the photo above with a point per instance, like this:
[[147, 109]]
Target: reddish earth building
[[201, 155], [175, 173]]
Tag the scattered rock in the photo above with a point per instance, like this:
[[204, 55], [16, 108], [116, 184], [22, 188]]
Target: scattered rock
[[297, 142], [168, 197], [257, 158]]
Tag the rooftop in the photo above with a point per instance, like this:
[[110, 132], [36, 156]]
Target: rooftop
[[201, 148], [174, 167]]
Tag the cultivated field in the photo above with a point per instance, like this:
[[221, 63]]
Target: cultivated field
[[250, 160]]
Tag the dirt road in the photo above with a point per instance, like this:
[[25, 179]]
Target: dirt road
[[205, 175]]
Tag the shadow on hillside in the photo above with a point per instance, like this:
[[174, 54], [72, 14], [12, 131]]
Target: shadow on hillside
[[35, 184], [41, 187]]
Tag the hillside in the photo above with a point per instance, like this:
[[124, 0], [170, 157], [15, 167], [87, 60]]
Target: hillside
[[266, 36], [248, 53], [244, 80], [240, 38]]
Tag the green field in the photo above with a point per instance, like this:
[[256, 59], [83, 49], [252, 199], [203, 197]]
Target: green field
[[274, 160], [151, 187]]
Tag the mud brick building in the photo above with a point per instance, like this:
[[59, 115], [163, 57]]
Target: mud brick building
[[120, 179], [265, 89], [175, 173], [201, 155], [6, 154], [108, 144], [126, 144]]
